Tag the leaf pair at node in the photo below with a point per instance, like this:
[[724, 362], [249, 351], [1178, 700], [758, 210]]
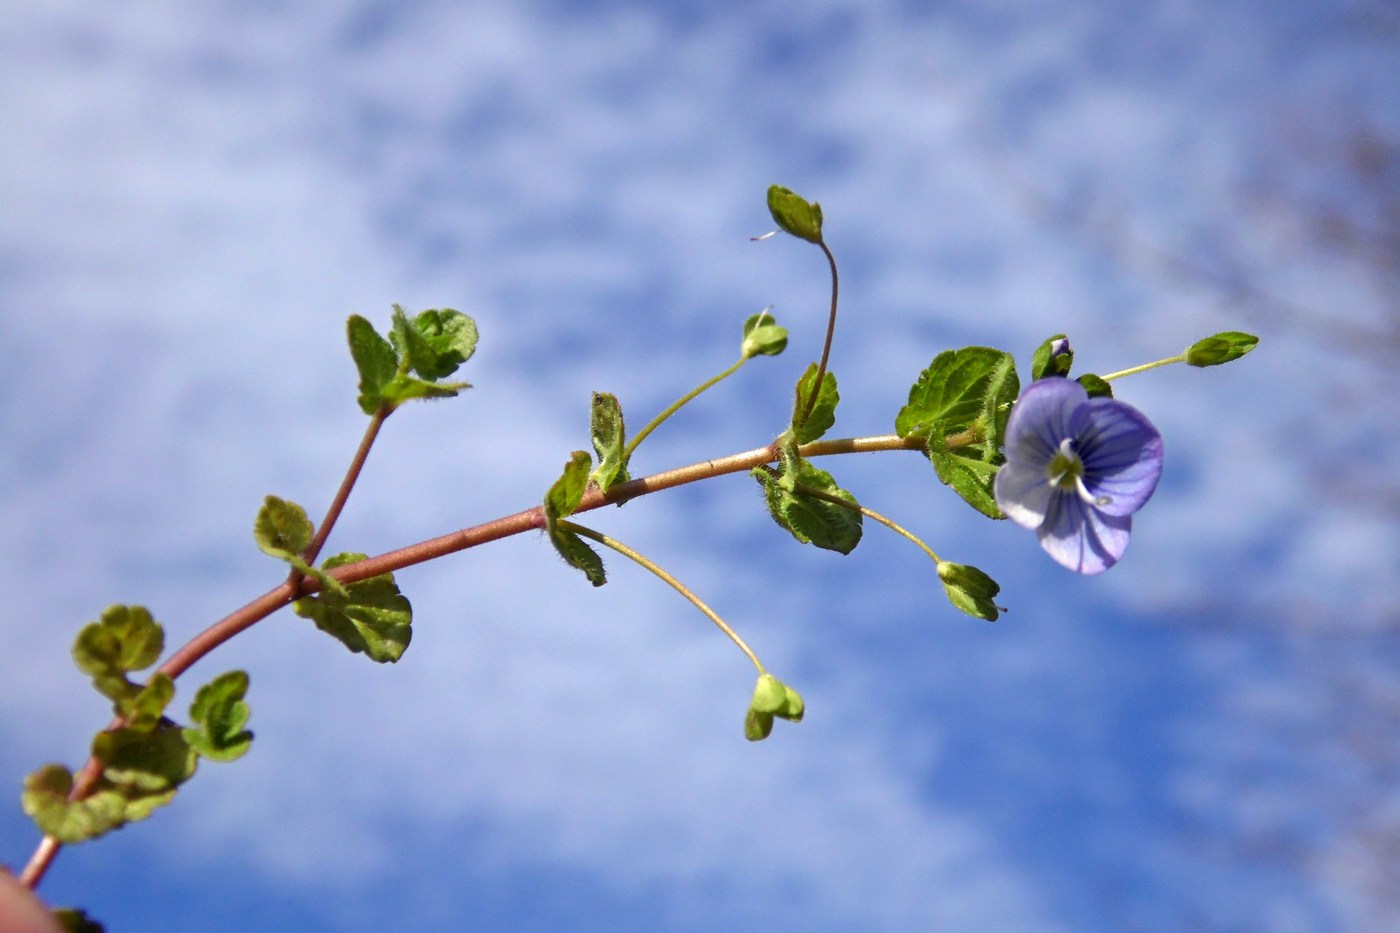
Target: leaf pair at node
[[369, 616], [419, 354], [799, 495], [958, 407], [561, 501], [771, 699], [146, 757]]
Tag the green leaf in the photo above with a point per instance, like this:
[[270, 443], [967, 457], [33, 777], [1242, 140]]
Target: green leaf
[[374, 358], [374, 618], [970, 590], [964, 395], [145, 762], [609, 440], [434, 343], [762, 336], [794, 214], [76, 920], [961, 390], [405, 388], [1045, 362], [124, 639], [143, 710], [45, 800], [282, 529], [559, 502], [1096, 386], [807, 518], [970, 479], [1222, 348], [219, 714], [567, 492], [823, 414]]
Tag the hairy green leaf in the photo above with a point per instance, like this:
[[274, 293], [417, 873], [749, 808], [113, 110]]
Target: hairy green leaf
[[219, 714], [823, 414], [807, 518], [373, 618], [143, 710], [374, 358], [144, 761], [962, 390], [795, 214], [609, 440], [567, 492], [970, 479]]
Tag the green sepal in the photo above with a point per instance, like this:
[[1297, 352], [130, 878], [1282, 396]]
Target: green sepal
[[1224, 347], [970, 590], [609, 433], [1096, 386], [965, 394], [144, 762], [124, 639], [560, 502], [45, 801], [372, 618], [76, 920], [219, 714], [807, 518], [762, 336], [1045, 363], [282, 529], [823, 414], [435, 342], [374, 358], [771, 698], [144, 709], [794, 214]]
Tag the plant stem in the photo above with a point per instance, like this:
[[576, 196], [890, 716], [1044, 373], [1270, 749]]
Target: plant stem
[[352, 474], [1144, 368], [675, 584], [526, 520], [830, 331], [676, 406]]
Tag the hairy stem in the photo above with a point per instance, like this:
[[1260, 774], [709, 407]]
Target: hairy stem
[[525, 520]]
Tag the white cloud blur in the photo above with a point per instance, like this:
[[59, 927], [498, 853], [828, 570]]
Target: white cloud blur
[[194, 201]]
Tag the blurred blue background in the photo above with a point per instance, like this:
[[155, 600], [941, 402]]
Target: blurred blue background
[[193, 198]]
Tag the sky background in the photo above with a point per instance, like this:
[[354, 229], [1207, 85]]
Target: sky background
[[194, 197]]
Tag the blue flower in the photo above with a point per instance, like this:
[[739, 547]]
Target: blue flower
[[1076, 470]]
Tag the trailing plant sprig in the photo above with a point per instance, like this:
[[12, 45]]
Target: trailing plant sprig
[[1060, 456]]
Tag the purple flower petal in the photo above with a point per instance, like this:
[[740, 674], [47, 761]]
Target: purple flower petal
[[1047, 412], [1082, 538], [1122, 454]]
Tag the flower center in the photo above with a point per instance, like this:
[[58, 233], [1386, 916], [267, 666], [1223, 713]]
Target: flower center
[[1066, 471]]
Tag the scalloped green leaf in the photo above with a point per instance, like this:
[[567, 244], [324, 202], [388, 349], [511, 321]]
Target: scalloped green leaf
[[971, 479], [219, 714], [125, 638], [374, 618], [45, 800], [973, 387], [567, 492], [609, 433], [282, 529], [144, 709], [375, 360], [823, 414], [144, 761], [434, 343], [795, 214], [807, 518]]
